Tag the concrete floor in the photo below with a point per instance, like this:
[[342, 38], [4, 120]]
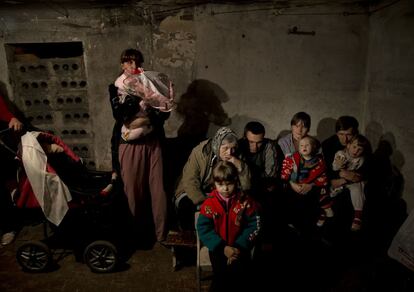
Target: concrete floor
[[322, 260], [298, 264], [146, 270]]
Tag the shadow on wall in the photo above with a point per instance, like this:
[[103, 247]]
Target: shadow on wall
[[325, 128], [282, 134], [238, 122], [199, 106], [386, 209]]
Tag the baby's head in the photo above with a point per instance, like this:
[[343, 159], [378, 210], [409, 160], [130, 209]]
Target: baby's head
[[308, 146], [358, 146]]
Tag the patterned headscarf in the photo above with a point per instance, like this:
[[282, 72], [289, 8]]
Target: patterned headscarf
[[223, 133]]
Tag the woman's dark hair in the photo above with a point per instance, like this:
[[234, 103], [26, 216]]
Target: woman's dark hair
[[301, 117], [132, 55]]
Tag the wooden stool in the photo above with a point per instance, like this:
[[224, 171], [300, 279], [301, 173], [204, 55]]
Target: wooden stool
[[179, 239]]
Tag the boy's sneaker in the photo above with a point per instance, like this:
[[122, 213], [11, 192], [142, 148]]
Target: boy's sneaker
[[8, 238], [329, 212], [107, 190], [335, 191], [356, 224], [321, 220]]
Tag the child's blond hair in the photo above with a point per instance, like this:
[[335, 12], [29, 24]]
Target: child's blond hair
[[314, 142]]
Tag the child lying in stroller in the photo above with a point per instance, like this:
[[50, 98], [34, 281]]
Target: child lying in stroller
[[39, 183], [53, 178]]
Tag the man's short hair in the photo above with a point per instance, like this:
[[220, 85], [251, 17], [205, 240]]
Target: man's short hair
[[254, 127], [301, 117], [345, 123]]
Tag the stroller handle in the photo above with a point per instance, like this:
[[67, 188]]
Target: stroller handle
[[4, 130], [4, 144]]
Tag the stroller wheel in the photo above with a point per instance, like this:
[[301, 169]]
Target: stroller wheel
[[101, 256], [34, 256]]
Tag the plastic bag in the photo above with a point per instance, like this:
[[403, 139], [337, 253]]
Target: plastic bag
[[154, 88], [402, 246]]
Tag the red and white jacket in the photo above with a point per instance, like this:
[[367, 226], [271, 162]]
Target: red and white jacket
[[291, 167]]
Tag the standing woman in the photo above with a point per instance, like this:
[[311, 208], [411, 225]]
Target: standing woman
[[140, 160]]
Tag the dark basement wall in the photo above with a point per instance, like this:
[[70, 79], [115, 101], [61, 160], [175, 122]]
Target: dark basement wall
[[231, 64]]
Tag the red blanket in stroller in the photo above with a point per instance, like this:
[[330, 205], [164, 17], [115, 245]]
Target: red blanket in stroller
[[39, 185]]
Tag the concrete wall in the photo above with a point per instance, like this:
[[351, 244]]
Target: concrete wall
[[269, 74], [391, 88], [231, 64]]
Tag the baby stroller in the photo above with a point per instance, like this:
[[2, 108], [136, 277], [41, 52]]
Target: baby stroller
[[51, 177]]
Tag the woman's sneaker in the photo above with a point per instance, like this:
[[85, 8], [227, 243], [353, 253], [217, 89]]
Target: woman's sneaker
[[321, 220], [356, 224]]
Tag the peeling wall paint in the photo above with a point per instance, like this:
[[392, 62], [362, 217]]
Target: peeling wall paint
[[174, 43]]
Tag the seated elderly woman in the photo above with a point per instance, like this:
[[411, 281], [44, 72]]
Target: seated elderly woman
[[196, 183]]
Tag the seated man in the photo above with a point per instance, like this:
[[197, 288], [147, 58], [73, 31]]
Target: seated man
[[346, 128], [262, 156], [196, 183]]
